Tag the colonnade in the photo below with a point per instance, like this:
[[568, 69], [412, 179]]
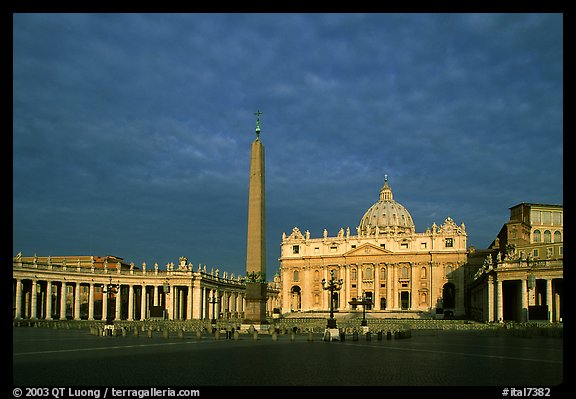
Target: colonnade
[[55, 292]]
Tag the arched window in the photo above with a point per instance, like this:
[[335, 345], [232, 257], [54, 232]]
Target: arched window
[[448, 270], [353, 274], [547, 236], [423, 272], [537, 236], [316, 275], [557, 236], [404, 272], [295, 276]]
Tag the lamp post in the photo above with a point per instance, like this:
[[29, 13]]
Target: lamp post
[[213, 301], [110, 289], [365, 301], [332, 285]]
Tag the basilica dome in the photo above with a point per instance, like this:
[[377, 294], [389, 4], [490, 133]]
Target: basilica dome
[[386, 216]]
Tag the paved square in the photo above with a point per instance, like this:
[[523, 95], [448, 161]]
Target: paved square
[[50, 357]]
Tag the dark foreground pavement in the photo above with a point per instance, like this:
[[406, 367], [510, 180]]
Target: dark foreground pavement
[[54, 358]]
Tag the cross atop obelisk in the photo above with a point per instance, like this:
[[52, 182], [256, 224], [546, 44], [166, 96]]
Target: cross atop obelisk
[[258, 113], [256, 285]]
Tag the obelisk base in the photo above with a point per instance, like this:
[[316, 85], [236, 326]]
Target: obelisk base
[[255, 310]]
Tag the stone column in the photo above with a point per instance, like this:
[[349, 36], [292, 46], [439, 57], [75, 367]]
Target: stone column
[[49, 300], [91, 302], [499, 299], [389, 298], [180, 303], [376, 279], [549, 298], [395, 286], [63, 300], [490, 306], [359, 277], [524, 300], [155, 299], [104, 302], [33, 300], [77, 301], [131, 302], [190, 301], [143, 302], [118, 315], [18, 304]]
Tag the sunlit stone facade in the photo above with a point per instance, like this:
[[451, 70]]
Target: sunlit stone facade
[[386, 261]]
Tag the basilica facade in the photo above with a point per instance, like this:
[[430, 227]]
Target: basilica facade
[[386, 264]]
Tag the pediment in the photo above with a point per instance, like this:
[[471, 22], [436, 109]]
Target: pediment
[[367, 249]]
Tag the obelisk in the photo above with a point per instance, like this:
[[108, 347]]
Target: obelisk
[[255, 310]]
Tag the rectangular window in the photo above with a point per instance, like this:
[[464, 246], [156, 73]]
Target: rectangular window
[[535, 216], [557, 218], [383, 245], [353, 246], [316, 250], [404, 245], [333, 249], [296, 249], [449, 243], [423, 245], [535, 253]]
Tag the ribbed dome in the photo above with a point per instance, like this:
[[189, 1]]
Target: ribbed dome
[[387, 215]]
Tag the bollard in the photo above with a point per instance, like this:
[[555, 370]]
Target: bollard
[[180, 333], [274, 336], [236, 335], [255, 335], [136, 333], [217, 335], [123, 331], [310, 336], [150, 332], [198, 334], [292, 336]]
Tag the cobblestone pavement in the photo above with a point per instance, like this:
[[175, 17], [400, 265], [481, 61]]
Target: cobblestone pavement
[[46, 357]]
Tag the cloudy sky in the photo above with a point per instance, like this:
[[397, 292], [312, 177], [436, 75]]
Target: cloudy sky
[[132, 132]]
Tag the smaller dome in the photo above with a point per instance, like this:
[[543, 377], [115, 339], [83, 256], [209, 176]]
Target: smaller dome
[[386, 215]]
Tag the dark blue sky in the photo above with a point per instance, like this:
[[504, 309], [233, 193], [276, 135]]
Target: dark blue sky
[[132, 132]]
